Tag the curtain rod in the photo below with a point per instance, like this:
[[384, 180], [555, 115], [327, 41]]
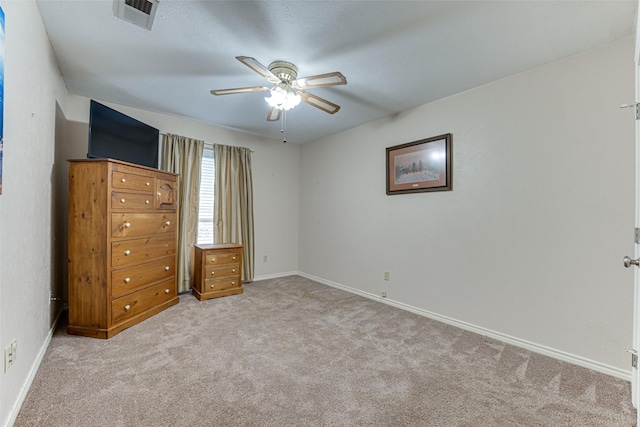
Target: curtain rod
[[211, 143]]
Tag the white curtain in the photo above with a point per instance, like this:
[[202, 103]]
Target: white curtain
[[233, 208], [183, 155]]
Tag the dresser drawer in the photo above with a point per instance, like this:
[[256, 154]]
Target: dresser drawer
[[131, 202], [221, 258], [131, 252], [134, 225], [219, 284], [129, 181], [131, 305], [213, 272], [131, 279]]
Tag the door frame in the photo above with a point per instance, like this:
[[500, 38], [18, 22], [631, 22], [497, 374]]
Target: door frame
[[635, 378]]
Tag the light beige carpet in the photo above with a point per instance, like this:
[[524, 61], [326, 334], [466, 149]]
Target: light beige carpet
[[292, 352]]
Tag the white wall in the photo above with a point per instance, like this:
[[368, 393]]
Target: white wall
[[275, 167], [529, 243], [33, 87]]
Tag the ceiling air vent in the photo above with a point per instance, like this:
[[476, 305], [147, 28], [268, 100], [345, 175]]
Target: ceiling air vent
[[138, 12]]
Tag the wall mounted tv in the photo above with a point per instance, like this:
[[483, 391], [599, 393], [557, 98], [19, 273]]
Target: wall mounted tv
[[117, 136]]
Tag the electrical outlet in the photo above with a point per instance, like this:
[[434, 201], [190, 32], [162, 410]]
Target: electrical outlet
[[386, 276], [7, 358], [384, 294], [9, 355]]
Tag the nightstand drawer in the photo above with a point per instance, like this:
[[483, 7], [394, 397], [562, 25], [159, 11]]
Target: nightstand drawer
[[223, 257], [221, 271], [220, 284]]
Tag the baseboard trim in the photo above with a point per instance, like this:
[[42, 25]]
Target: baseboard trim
[[13, 415], [528, 345], [275, 276]]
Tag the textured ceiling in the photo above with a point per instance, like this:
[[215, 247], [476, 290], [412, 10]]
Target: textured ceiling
[[394, 54]]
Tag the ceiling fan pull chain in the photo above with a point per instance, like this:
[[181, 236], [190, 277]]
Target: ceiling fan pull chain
[[284, 115]]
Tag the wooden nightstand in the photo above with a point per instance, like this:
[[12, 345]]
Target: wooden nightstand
[[218, 271]]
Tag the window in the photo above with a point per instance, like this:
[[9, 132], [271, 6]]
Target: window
[[205, 216]]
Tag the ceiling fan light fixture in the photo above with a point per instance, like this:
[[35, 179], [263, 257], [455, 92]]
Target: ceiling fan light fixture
[[283, 98]]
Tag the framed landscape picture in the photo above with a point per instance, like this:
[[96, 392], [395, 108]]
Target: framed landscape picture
[[419, 166]]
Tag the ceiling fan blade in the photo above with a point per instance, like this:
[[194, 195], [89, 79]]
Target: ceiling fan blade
[[321, 80], [239, 90], [320, 103], [258, 68], [274, 115]]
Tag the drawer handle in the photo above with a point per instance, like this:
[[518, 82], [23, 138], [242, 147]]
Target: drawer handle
[[233, 283], [213, 259], [167, 268], [122, 200], [148, 184], [127, 279], [166, 291], [123, 180], [127, 307], [168, 223], [233, 270], [127, 252], [127, 224], [159, 194], [146, 202], [211, 286], [234, 258], [213, 272]]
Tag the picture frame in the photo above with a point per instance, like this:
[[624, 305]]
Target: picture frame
[[420, 166]]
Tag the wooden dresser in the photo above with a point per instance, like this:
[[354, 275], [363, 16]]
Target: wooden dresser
[[218, 271], [122, 245]]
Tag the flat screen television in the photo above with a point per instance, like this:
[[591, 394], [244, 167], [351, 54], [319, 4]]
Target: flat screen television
[[117, 136]]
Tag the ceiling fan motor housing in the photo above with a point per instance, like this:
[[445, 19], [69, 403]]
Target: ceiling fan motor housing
[[285, 71]]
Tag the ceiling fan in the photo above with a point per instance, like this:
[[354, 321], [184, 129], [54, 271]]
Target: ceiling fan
[[287, 90]]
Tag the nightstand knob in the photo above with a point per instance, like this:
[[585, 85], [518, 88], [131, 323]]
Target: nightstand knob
[[233, 270], [213, 259], [146, 202], [159, 194], [168, 223], [127, 224], [166, 291], [148, 184], [234, 258], [213, 272], [122, 200], [127, 307], [211, 286], [233, 283], [127, 252], [167, 268], [127, 279], [123, 180]]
